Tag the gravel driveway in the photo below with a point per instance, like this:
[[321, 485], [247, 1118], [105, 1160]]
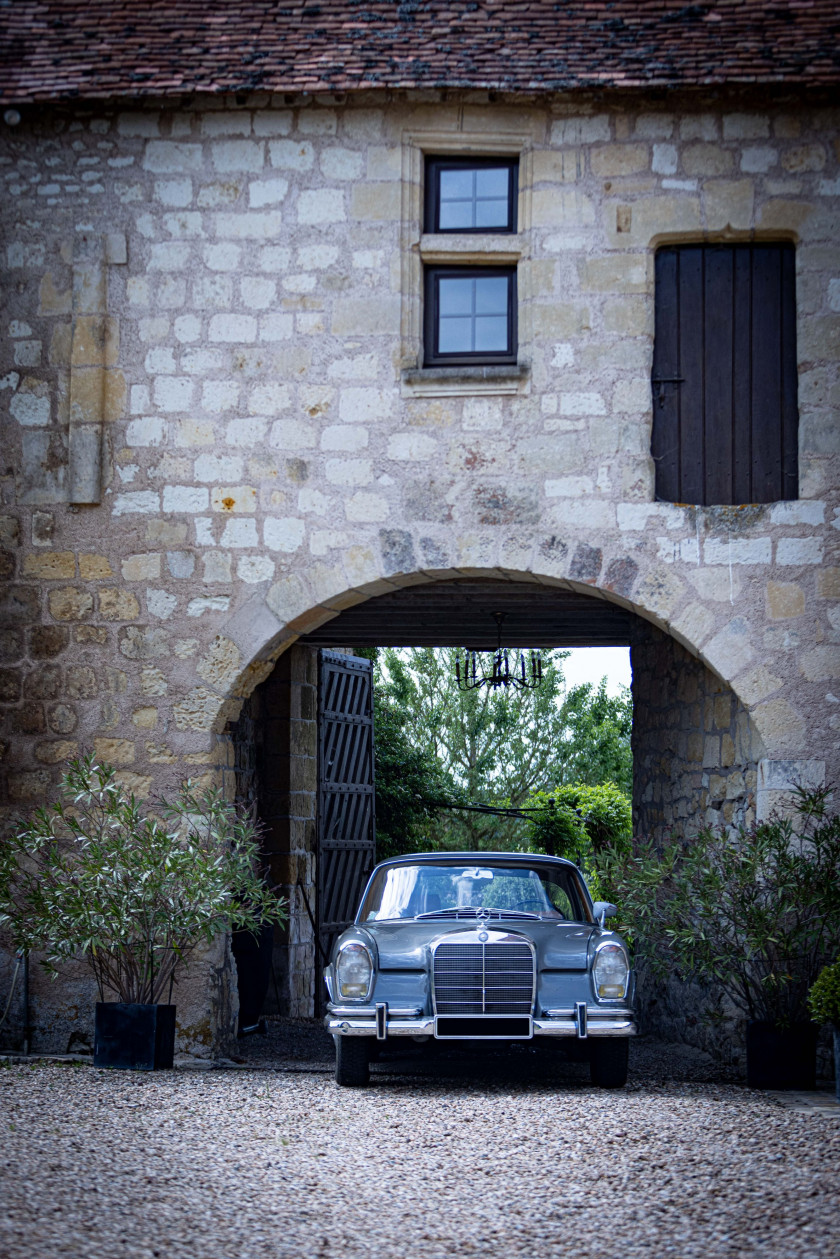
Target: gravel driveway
[[507, 1154]]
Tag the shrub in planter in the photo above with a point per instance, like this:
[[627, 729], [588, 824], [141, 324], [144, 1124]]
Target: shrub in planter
[[754, 912], [135, 890], [824, 1004]]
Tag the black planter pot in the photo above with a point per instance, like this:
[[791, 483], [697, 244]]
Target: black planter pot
[[781, 1058], [134, 1037]]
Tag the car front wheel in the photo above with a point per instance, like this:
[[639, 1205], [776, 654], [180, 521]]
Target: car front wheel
[[608, 1063], [352, 1061]]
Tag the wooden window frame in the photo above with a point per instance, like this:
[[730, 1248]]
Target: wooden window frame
[[431, 322], [434, 166]]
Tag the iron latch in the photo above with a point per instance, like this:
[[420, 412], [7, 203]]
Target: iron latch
[[662, 381]]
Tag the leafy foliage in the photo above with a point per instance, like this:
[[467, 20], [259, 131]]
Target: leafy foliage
[[756, 913], [134, 892], [502, 746], [408, 779], [824, 997], [579, 822]]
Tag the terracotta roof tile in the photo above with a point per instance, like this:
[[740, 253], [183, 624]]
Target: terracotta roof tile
[[58, 49]]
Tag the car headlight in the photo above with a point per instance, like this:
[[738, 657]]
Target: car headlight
[[610, 972], [354, 970]]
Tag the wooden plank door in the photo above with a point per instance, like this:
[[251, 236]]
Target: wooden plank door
[[346, 847], [725, 419]]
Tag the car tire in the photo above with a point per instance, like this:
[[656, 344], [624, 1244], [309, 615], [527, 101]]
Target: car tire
[[608, 1063], [352, 1061]]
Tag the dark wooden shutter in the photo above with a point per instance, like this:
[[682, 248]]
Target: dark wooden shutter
[[346, 851], [725, 419]]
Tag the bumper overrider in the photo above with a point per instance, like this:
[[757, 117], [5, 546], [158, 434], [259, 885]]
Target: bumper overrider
[[383, 1021]]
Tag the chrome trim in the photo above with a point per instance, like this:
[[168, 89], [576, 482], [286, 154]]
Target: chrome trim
[[382, 1020], [580, 1019], [484, 935], [607, 1023], [367, 1027], [369, 1011]]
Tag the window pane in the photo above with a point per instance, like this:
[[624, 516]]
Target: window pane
[[491, 295], [455, 335], [491, 213], [491, 333], [456, 296], [456, 214], [492, 183], [456, 185]]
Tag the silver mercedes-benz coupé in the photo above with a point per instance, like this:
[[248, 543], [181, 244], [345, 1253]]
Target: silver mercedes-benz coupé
[[480, 946]]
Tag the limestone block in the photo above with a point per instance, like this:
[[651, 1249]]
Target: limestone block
[[240, 533], [142, 643], [209, 603], [707, 159], [114, 751], [141, 567], [233, 498], [756, 684], [251, 226], [730, 650], [200, 709], [284, 534], [272, 122], [820, 664], [70, 604], [731, 550], [185, 498], [665, 159], [367, 508], [784, 600], [116, 604], [50, 565], [798, 551], [804, 157], [619, 159], [728, 203], [232, 156], [375, 202], [562, 207], [221, 664], [779, 724], [165, 156], [828, 583], [580, 130], [62, 718]]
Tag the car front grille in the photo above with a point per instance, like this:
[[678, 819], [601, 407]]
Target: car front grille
[[491, 978]]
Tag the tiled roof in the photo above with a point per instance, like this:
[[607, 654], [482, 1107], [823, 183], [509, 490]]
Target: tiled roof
[[88, 49]]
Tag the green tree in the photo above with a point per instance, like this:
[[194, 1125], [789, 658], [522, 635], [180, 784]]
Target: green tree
[[500, 747]]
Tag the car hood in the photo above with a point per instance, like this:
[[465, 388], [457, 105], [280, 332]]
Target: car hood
[[405, 945]]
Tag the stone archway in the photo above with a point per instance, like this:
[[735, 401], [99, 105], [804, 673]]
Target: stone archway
[[697, 751]]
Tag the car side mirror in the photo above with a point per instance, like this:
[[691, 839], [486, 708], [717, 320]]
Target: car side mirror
[[602, 910]]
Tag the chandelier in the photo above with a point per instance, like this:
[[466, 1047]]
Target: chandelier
[[508, 668]]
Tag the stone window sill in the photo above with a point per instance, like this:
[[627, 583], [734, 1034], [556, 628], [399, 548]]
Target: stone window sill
[[450, 381]]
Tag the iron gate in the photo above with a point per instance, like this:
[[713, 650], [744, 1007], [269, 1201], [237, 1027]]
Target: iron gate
[[346, 833]]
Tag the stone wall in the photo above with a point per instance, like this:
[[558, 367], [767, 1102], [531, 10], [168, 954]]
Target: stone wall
[[275, 742], [695, 752], [218, 431]]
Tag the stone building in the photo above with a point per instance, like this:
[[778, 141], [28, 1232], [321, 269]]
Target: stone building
[[337, 305]]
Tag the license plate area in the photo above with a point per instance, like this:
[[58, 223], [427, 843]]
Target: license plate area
[[483, 1027]]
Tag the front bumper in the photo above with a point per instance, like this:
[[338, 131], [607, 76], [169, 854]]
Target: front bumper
[[383, 1022]]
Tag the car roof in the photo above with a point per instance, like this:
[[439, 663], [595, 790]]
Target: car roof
[[475, 858]]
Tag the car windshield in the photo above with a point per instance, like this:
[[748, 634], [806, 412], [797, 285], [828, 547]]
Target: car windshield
[[407, 891]]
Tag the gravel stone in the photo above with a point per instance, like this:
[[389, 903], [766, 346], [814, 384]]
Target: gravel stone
[[507, 1152]]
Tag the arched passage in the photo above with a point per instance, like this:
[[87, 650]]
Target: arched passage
[[696, 750]]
